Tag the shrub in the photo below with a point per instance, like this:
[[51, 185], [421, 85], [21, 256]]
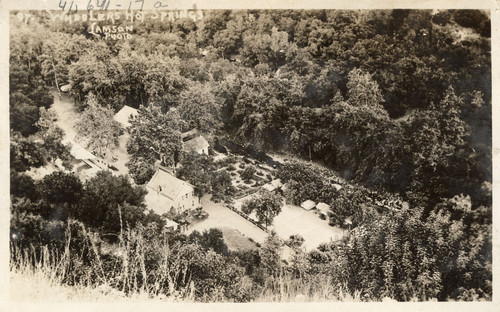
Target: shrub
[[474, 19], [140, 169], [248, 173], [441, 18], [216, 198]]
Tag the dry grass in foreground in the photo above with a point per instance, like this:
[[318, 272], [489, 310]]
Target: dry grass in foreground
[[41, 274]]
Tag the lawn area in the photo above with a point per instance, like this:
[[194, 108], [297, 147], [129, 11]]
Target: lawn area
[[295, 220], [221, 217], [234, 227], [236, 241]]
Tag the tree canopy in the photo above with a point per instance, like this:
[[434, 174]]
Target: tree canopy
[[266, 206]]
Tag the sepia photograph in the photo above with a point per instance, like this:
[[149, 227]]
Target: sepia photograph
[[249, 155]]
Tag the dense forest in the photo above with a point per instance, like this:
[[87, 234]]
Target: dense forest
[[393, 101]]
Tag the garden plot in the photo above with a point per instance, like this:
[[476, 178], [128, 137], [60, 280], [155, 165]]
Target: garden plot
[[261, 176]]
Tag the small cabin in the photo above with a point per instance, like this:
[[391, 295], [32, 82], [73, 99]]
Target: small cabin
[[197, 144], [124, 116], [308, 204]]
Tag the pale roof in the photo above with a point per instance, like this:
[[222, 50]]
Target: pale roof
[[170, 223], [323, 207], [124, 114], [308, 204], [274, 184], [66, 88], [196, 144], [78, 152], [277, 183], [189, 133], [159, 203], [337, 186], [168, 185], [269, 187]]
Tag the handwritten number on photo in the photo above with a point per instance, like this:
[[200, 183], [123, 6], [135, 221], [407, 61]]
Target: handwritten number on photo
[[158, 5], [63, 6], [102, 5], [141, 1]]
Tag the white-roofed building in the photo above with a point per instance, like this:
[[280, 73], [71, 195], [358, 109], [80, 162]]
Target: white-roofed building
[[324, 208], [171, 225], [348, 221], [165, 192], [66, 88], [197, 144], [308, 204], [273, 185], [78, 152], [86, 164], [268, 187], [124, 115], [338, 187]]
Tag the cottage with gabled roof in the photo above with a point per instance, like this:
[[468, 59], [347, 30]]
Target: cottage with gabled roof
[[324, 208], [273, 185], [197, 144], [171, 225], [308, 204], [166, 192], [124, 115]]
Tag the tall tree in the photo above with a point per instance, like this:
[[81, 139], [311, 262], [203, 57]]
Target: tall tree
[[110, 202], [97, 128], [200, 108], [362, 89], [155, 135], [52, 137], [266, 206], [270, 254], [198, 170], [25, 153]]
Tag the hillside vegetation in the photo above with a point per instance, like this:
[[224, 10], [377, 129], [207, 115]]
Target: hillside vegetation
[[396, 102]]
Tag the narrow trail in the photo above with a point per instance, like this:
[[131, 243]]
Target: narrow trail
[[66, 114]]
